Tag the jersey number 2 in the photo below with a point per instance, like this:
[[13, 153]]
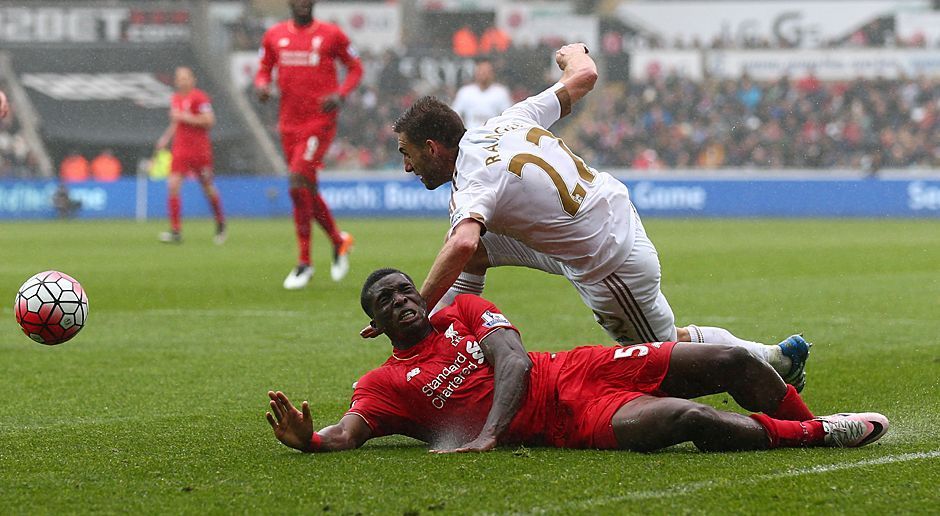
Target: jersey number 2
[[570, 201]]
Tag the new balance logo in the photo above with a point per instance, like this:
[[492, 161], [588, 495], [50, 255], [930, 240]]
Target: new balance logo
[[451, 333], [411, 374]]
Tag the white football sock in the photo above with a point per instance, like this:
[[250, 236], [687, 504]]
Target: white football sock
[[466, 283], [770, 354]]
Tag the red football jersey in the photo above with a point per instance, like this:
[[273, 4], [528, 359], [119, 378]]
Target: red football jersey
[[305, 58], [191, 140], [440, 391]]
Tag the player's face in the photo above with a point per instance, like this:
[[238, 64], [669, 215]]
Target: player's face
[[483, 73], [184, 78], [399, 310], [420, 161], [302, 8]]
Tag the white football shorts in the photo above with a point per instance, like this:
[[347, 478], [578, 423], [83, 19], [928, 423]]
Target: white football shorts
[[628, 303]]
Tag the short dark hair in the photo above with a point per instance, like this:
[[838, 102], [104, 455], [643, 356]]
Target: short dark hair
[[371, 280], [430, 119]]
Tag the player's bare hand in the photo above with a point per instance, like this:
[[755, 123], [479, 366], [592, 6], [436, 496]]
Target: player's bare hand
[[564, 53], [370, 332], [161, 143], [292, 427], [4, 106], [332, 103], [480, 444], [263, 93]]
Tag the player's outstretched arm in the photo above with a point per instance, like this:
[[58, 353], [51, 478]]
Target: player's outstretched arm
[[511, 367], [451, 260], [580, 72], [294, 428]]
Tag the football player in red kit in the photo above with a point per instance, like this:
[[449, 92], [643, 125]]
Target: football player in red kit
[[461, 381], [191, 119], [305, 51]]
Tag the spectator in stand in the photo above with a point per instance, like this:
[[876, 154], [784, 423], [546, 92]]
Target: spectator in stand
[[74, 168], [494, 41], [305, 51], [4, 105], [465, 42], [65, 207], [482, 99], [106, 167]]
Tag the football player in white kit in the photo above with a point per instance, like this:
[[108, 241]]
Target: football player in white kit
[[482, 99], [521, 197]]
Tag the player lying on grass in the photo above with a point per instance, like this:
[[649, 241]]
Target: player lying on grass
[[462, 381]]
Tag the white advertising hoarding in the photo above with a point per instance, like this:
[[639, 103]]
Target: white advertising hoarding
[[373, 27], [529, 24], [825, 64], [798, 23]]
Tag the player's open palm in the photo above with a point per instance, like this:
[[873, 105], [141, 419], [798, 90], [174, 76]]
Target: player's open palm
[[292, 427], [480, 444]]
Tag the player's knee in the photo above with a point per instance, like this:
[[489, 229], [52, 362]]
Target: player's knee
[[693, 419], [733, 360]]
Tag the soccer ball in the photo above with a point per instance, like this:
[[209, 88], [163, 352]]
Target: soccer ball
[[51, 307]]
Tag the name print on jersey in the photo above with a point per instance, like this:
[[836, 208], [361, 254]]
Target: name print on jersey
[[453, 375], [490, 142]]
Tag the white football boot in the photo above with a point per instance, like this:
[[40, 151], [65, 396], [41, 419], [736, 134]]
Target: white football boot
[[852, 430], [340, 266], [298, 277]]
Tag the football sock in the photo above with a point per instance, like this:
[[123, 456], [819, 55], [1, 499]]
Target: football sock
[[791, 434], [770, 354], [792, 407], [466, 283], [216, 203], [324, 217], [173, 205], [302, 201]]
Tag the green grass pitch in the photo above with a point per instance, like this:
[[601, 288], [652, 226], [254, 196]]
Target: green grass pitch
[[157, 406]]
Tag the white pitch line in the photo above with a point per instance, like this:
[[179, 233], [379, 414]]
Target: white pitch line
[[691, 487]]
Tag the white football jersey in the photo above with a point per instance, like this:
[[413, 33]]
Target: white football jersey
[[476, 106], [519, 180]]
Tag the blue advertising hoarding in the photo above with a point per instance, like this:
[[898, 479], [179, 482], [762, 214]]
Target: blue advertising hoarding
[[406, 197]]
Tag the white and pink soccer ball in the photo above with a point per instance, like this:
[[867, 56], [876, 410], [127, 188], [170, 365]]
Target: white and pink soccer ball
[[51, 307]]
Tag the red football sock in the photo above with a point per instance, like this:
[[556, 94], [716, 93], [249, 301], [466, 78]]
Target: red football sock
[[790, 434], [173, 206], [216, 203], [792, 407], [325, 218], [301, 199]]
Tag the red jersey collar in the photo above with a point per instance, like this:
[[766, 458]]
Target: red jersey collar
[[413, 351], [291, 26]]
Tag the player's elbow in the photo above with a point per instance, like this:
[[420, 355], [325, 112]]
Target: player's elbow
[[464, 245], [520, 363]]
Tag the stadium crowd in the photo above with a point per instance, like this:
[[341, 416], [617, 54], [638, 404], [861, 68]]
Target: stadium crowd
[[674, 122]]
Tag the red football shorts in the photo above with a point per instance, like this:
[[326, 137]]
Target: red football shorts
[[595, 381], [193, 165], [304, 149]]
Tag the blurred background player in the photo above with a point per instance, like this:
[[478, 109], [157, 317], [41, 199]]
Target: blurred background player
[[305, 52], [482, 99], [191, 119]]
